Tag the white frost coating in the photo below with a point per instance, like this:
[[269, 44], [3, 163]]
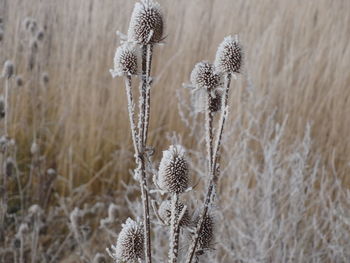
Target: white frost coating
[[229, 56], [129, 244], [146, 24], [204, 76], [173, 170], [127, 60]]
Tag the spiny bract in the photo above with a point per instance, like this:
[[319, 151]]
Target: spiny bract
[[146, 24], [173, 170], [165, 213], [204, 76], [200, 100], [229, 56], [206, 236], [130, 242], [126, 60]]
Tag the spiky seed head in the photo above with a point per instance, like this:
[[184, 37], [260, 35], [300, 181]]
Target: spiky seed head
[[40, 35], [9, 167], [130, 242], [126, 60], [19, 81], [206, 236], [146, 24], [164, 212], [173, 170], [204, 76], [200, 98], [8, 70], [229, 56]]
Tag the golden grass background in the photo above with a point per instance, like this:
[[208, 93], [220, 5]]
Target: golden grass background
[[297, 54]]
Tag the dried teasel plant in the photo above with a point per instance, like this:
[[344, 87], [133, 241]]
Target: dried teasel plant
[[145, 30], [132, 60]]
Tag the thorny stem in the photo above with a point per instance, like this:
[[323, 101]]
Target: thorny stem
[[213, 159], [141, 157], [131, 112], [209, 130], [222, 121], [148, 89], [174, 231]]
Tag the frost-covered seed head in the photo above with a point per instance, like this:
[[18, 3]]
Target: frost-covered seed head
[[173, 170], [8, 70], [200, 98], [204, 76], [229, 56], [165, 213], [34, 149], [130, 242], [126, 60], [206, 236], [146, 24]]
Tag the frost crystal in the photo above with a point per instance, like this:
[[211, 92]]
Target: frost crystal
[[126, 60], [204, 76], [130, 243], [165, 213], [229, 56], [146, 24], [173, 170]]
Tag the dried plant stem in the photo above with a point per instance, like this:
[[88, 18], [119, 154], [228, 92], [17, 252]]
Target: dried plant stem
[[141, 157], [174, 231], [6, 105], [148, 88], [131, 111], [224, 112], [213, 160], [209, 130]]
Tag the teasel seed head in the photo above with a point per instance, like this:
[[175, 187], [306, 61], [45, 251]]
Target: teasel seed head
[[200, 98], [126, 60], [206, 236], [8, 70], [19, 81], [173, 170], [9, 167], [130, 242], [229, 56], [146, 24], [165, 213], [204, 76]]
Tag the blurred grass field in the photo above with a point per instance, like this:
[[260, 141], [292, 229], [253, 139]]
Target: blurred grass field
[[297, 54]]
